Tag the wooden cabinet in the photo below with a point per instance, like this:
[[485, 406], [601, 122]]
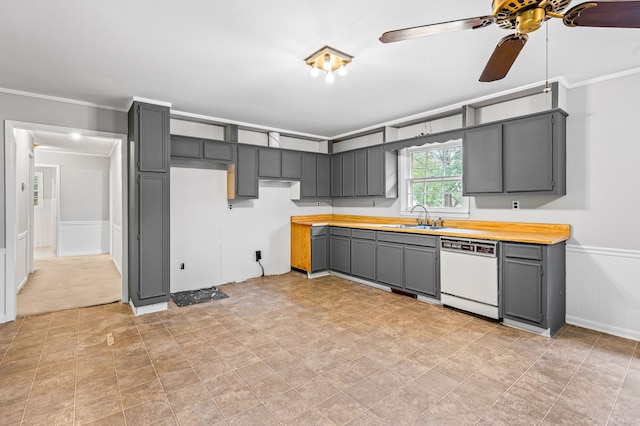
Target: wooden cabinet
[[533, 285], [523, 155], [148, 237]]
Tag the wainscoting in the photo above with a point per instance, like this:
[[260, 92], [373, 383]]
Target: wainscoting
[[603, 290], [116, 249], [79, 238]]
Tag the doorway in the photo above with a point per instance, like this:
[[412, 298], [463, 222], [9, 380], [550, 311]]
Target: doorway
[[73, 231]]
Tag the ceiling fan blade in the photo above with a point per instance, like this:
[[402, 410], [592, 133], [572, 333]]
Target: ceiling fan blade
[[442, 27], [503, 57], [611, 14]]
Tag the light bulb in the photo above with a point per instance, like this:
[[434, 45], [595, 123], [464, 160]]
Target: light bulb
[[314, 70], [326, 64], [342, 71], [330, 77]]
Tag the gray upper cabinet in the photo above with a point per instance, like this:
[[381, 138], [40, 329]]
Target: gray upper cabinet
[[482, 160], [348, 174], [247, 172], [336, 175], [534, 154], [522, 155], [193, 152], [218, 151], [291, 164], [186, 147], [375, 171], [153, 138], [270, 163], [148, 238], [323, 174], [309, 175], [360, 173]]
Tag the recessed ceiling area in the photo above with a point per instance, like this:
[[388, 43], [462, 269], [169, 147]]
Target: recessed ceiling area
[[68, 143], [244, 61]]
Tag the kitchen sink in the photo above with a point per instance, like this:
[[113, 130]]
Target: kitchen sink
[[433, 228]]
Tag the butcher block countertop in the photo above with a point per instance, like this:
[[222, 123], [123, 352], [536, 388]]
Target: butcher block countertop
[[536, 233]]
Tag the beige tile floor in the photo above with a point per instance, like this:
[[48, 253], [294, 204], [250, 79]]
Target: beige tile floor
[[287, 350]]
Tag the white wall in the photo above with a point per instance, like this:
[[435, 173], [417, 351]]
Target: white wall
[[218, 245], [115, 188], [84, 202], [24, 149], [44, 221]]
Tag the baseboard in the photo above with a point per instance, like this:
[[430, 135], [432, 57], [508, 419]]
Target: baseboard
[[3, 318], [22, 284], [148, 309], [361, 281], [604, 328], [81, 253]]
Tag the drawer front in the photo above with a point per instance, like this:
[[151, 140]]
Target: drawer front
[[222, 151], [416, 240], [363, 234], [521, 251], [186, 147], [318, 230], [345, 232]]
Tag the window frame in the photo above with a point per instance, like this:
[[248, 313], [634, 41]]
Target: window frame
[[39, 194], [404, 169]]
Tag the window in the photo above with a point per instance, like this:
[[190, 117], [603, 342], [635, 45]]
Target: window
[[38, 190], [432, 176]]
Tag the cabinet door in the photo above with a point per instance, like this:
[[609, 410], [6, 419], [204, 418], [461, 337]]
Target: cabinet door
[[389, 264], [340, 254], [375, 171], [220, 151], [420, 270], [348, 175], [528, 150], [269, 163], [323, 174], [153, 235], [185, 147], [247, 172], [523, 290], [482, 160], [336, 175], [153, 138], [319, 251], [360, 159], [308, 183], [363, 258], [291, 164]]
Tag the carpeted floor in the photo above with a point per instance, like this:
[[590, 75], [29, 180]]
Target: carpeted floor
[[68, 283]]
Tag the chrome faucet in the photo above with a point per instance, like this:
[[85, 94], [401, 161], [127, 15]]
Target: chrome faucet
[[426, 213]]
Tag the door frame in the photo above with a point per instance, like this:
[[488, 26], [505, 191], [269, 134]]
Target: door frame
[[11, 207], [56, 195]]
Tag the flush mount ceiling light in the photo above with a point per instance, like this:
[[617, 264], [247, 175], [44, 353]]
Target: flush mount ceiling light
[[329, 60]]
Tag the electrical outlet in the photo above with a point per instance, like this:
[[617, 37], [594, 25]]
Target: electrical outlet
[[258, 255], [182, 266], [515, 205], [318, 204], [374, 203], [230, 206]]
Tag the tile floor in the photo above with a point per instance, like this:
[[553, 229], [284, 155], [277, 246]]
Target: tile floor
[[287, 350]]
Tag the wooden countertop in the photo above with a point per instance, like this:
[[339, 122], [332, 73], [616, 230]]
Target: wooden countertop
[[536, 233]]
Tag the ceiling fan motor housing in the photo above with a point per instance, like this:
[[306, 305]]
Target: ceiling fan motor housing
[[507, 13]]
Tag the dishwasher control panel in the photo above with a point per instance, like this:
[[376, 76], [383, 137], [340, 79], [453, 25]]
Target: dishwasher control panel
[[482, 248]]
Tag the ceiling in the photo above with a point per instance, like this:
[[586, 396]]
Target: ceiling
[[243, 61], [67, 143]]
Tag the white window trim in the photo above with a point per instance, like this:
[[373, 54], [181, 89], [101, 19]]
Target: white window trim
[[403, 172], [40, 204]]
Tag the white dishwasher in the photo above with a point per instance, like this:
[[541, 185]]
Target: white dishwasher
[[469, 275]]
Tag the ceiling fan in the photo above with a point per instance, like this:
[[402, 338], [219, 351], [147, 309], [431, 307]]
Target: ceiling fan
[[526, 16]]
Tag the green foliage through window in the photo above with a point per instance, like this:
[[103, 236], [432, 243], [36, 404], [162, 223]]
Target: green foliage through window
[[435, 176]]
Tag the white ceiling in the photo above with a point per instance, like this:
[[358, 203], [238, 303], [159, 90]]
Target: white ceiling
[[243, 60]]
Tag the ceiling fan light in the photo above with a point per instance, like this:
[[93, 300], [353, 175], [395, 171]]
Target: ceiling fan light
[[314, 70], [342, 71], [330, 78]]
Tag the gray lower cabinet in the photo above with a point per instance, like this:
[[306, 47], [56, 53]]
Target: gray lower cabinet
[[408, 262], [363, 254], [319, 248], [148, 215], [340, 249], [247, 172], [533, 284]]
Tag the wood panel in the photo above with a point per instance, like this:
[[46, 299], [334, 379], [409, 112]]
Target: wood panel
[[301, 247]]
